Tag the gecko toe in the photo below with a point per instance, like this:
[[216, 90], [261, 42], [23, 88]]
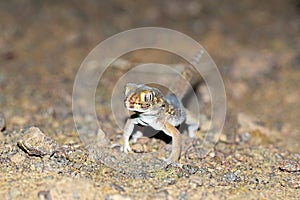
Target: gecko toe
[[126, 148]]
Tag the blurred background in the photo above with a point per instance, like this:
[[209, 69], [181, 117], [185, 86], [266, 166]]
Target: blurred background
[[255, 44]]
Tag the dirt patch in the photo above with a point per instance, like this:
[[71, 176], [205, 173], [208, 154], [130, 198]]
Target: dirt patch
[[256, 47]]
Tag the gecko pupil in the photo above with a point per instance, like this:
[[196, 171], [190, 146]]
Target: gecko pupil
[[146, 96]]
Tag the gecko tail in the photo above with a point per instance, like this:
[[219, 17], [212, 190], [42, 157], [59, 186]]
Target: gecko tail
[[181, 86]]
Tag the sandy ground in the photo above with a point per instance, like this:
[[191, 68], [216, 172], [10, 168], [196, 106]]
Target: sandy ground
[[256, 48]]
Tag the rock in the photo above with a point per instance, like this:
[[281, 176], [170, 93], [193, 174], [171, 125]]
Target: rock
[[2, 121], [289, 166], [36, 143]]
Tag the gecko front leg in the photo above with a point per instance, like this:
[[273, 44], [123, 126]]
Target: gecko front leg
[[172, 131], [129, 126]]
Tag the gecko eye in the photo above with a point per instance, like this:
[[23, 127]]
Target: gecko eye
[[146, 96]]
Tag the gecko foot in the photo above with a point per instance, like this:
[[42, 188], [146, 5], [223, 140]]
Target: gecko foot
[[126, 147], [170, 161]]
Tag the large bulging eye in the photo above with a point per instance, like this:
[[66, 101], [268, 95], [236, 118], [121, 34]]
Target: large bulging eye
[[146, 96]]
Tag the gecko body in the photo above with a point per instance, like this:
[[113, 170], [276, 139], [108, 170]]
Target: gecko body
[[161, 112]]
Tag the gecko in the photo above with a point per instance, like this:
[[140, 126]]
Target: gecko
[[162, 112]]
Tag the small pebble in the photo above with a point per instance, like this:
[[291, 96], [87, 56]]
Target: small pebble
[[245, 137], [169, 180], [231, 177], [44, 195], [296, 62], [294, 184], [182, 195], [118, 187], [289, 166], [138, 148], [117, 197], [2, 121], [189, 169], [196, 181]]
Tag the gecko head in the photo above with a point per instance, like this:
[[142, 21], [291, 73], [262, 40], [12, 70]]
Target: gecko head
[[142, 98]]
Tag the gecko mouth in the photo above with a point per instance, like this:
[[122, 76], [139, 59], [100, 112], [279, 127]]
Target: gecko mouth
[[134, 106]]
